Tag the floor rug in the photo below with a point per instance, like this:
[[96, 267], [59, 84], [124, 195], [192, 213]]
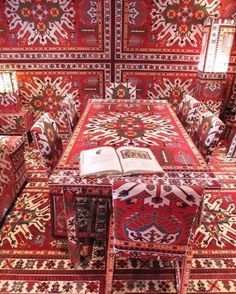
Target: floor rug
[[33, 260], [219, 162]]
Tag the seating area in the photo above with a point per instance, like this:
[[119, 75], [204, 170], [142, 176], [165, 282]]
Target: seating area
[[118, 147], [14, 119], [13, 174], [136, 219], [205, 128], [141, 226]]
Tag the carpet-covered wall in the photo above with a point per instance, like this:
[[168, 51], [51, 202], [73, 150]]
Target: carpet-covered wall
[[75, 46]]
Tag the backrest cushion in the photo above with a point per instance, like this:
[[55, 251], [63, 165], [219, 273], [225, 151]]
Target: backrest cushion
[[48, 140], [208, 133], [7, 180], [70, 110], [6, 168], [120, 91], [189, 110]]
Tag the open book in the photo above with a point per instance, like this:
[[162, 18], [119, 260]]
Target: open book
[[125, 160]]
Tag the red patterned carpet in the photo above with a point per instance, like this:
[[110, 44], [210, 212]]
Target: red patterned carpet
[[33, 261]]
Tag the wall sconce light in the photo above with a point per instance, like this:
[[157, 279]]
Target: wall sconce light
[[217, 41], [8, 82]]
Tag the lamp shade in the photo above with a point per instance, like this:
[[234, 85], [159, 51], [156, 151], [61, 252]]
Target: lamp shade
[[8, 82], [217, 41]]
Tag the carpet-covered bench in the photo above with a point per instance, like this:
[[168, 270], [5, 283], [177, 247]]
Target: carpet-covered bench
[[12, 170]]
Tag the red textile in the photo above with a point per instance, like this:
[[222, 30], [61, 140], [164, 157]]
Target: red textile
[[138, 123]]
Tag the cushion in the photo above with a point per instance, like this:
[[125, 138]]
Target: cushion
[[6, 179], [45, 133], [120, 91], [189, 111], [12, 170], [70, 110], [208, 133]]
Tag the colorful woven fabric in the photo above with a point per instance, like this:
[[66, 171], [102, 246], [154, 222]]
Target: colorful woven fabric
[[71, 111], [12, 170], [208, 133], [6, 179], [9, 102], [49, 142], [189, 110], [153, 214], [153, 220], [232, 144], [120, 91], [12, 142], [16, 123]]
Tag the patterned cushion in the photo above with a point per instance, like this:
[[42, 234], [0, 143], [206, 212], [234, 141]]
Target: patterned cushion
[[189, 111], [120, 91], [70, 110], [16, 147], [208, 133], [6, 179], [153, 214], [49, 142], [12, 170], [5, 162], [10, 102]]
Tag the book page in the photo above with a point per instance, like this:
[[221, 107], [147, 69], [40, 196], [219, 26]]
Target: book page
[[136, 160], [99, 161]]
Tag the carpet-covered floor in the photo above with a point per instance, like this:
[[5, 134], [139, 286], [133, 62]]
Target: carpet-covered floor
[[32, 260]]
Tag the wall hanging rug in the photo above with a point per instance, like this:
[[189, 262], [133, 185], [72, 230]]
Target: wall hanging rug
[[82, 45]]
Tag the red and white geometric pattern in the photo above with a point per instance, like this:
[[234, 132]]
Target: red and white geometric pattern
[[189, 111], [71, 111], [9, 102], [49, 142], [39, 24], [12, 170], [113, 128], [207, 135], [120, 91]]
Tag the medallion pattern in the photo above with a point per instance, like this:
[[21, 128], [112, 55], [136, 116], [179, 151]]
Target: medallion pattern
[[156, 82], [146, 27], [40, 22], [82, 27], [180, 22], [172, 90], [45, 95], [129, 128], [44, 91]]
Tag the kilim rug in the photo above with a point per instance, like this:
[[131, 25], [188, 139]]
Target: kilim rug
[[33, 261], [223, 168]]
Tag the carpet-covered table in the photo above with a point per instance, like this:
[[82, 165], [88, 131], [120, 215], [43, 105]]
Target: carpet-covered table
[[143, 123]]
